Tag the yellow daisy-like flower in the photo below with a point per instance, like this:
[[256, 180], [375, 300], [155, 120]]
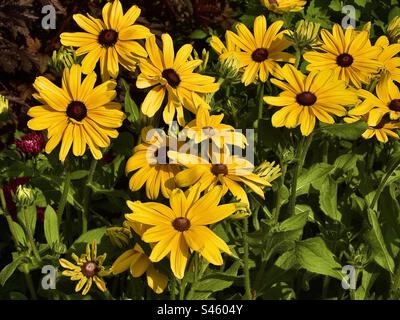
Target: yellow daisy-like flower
[[136, 261], [88, 268], [386, 101], [262, 51], [224, 51], [172, 76], [383, 130], [77, 114], [282, 6], [210, 127], [390, 61], [183, 226], [152, 165], [111, 40], [229, 171], [350, 54], [318, 95]]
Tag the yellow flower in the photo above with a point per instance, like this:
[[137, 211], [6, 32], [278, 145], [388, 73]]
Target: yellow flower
[[383, 130], [88, 268], [282, 6], [78, 114], [262, 51], [230, 172], [138, 263], [305, 98], [111, 40], [386, 101], [172, 76], [183, 226], [268, 171], [348, 53], [152, 166], [210, 127], [3, 105], [224, 52], [390, 61]]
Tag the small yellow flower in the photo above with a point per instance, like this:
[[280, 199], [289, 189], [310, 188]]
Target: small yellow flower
[[111, 40], [136, 261], [268, 171], [152, 165], [282, 6], [181, 227], [229, 171], [262, 50], [318, 95], [224, 51], [88, 268], [383, 130], [172, 76]]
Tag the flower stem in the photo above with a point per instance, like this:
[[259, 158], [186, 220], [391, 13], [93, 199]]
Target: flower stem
[[29, 282], [246, 270], [278, 203], [383, 182], [299, 53], [301, 156], [86, 196], [64, 195]]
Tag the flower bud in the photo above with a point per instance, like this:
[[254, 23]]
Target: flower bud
[[393, 30], [268, 171], [3, 108], [306, 35], [61, 59], [31, 143], [24, 196]]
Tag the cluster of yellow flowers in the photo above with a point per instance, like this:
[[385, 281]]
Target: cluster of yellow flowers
[[339, 67], [81, 114]]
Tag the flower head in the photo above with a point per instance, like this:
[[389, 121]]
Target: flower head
[[224, 51], [386, 101], [77, 114], [182, 226], [111, 40], [261, 52], [232, 172], [318, 95], [390, 69], [31, 143], [383, 130], [348, 53], [88, 268], [24, 196], [268, 171], [172, 76], [152, 165], [282, 6], [138, 263], [306, 35]]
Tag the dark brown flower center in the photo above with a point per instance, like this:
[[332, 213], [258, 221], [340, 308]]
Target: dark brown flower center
[[260, 55], [77, 110], [394, 105], [273, 2], [218, 169], [344, 60], [181, 224], [306, 99], [108, 38], [209, 131], [89, 269], [172, 77]]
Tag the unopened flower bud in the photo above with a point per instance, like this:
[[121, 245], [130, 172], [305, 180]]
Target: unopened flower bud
[[31, 143], [24, 196]]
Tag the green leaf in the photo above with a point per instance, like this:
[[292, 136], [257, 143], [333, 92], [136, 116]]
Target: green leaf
[[317, 171], [296, 222], [395, 12], [27, 217], [88, 237], [328, 199], [131, 108], [51, 231], [9, 269], [352, 131], [198, 34], [313, 255], [18, 233], [377, 243], [79, 174], [361, 3]]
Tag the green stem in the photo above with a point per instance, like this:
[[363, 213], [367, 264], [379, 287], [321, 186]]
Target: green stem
[[325, 151], [64, 195], [298, 58], [173, 288], [86, 196], [182, 289], [383, 182], [301, 156], [29, 282], [278, 194], [246, 270]]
